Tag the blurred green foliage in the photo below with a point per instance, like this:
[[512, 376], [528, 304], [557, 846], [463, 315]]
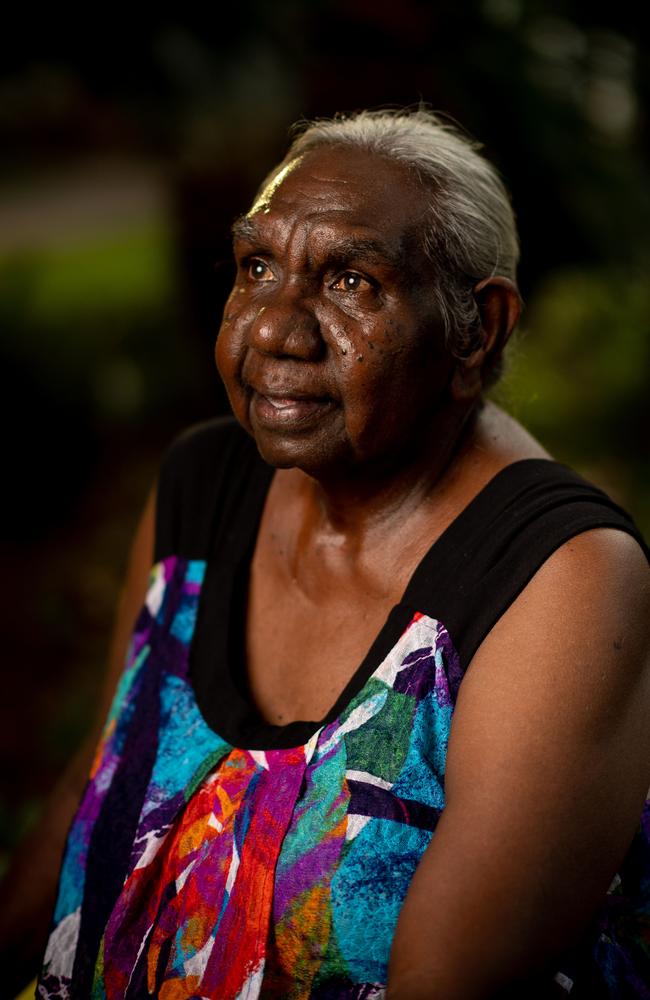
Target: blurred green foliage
[[123, 273], [578, 377], [79, 310]]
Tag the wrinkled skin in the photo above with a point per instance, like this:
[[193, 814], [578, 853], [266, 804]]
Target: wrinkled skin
[[334, 358], [331, 346]]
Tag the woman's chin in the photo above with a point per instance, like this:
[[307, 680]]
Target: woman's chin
[[314, 458]]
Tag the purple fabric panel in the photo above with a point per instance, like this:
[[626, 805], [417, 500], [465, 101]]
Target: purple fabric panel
[[309, 870], [418, 677], [369, 800], [454, 670]]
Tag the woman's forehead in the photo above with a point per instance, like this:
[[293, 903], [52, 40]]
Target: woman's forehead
[[343, 183], [262, 202]]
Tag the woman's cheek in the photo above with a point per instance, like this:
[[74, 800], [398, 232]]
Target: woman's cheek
[[339, 337], [228, 354]]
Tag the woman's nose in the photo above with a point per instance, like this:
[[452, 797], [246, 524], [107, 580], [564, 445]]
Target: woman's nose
[[287, 327]]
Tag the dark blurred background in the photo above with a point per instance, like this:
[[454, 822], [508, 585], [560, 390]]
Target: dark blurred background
[[128, 146]]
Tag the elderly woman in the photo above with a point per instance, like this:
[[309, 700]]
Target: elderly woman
[[383, 728]]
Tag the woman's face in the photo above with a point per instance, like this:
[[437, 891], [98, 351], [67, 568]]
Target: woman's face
[[331, 346]]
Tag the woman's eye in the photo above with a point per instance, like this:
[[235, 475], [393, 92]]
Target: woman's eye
[[350, 281], [258, 270]]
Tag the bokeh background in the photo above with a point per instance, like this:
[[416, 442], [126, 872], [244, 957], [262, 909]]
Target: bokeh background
[[130, 142]]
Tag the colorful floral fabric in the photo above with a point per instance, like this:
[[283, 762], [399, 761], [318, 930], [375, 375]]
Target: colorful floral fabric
[[274, 873]]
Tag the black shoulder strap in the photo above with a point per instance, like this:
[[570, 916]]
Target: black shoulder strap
[[204, 479], [490, 552]]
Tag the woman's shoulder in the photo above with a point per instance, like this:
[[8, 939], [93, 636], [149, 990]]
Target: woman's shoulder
[[525, 491], [528, 509]]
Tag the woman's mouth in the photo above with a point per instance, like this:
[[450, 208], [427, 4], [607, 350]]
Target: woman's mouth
[[286, 411]]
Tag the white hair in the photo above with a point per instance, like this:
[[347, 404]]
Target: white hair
[[470, 231]]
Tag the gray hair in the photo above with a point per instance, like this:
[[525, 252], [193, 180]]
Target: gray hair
[[470, 232]]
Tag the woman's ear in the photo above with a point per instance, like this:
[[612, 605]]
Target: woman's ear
[[499, 306]]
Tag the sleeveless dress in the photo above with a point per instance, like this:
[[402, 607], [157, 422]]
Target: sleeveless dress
[[216, 855]]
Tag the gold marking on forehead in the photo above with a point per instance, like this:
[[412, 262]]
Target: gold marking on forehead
[[263, 201]]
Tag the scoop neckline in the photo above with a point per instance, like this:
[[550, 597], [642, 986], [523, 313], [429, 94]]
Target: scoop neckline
[[225, 701]]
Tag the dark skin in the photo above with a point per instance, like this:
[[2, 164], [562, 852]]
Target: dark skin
[[332, 352], [333, 355], [331, 326]]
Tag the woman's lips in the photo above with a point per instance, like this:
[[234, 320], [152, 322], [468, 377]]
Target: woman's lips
[[286, 411]]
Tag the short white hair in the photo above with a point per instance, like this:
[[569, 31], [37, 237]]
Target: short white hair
[[470, 232]]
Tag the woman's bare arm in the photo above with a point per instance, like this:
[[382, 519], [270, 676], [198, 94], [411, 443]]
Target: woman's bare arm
[[548, 767], [29, 887]]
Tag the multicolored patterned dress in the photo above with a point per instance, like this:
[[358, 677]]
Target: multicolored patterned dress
[[216, 855]]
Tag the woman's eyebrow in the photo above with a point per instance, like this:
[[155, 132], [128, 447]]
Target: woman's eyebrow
[[339, 250], [365, 248], [244, 228]]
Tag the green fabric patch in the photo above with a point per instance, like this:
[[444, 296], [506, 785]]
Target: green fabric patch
[[381, 748]]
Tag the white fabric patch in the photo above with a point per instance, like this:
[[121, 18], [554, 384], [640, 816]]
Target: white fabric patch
[[311, 745], [616, 881], [184, 875], [355, 825], [368, 779], [215, 823], [260, 758], [253, 984], [154, 841], [563, 981], [232, 871], [421, 635], [156, 590], [62, 945], [196, 965]]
